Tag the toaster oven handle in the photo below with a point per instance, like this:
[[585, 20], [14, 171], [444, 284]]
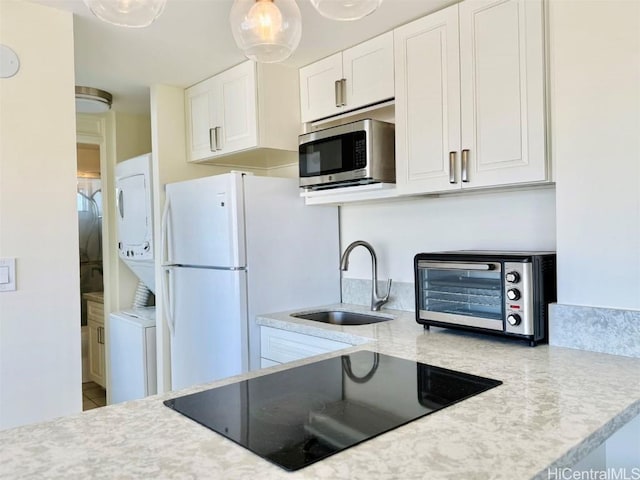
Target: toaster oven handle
[[456, 266]]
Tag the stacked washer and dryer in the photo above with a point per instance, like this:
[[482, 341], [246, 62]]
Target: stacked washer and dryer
[[131, 346]]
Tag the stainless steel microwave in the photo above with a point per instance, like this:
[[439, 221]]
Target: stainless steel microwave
[[502, 293], [356, 153]]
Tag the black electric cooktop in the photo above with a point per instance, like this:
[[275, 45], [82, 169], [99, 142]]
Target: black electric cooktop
[[296, 417]]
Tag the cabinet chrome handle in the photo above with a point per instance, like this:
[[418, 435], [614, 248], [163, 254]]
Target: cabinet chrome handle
[[343, 92], [338, 96], [452, 167], [100, 337], [465, 166], [219, 144], [212, 140]]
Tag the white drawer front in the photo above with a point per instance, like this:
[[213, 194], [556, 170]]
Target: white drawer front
[[283, 346]]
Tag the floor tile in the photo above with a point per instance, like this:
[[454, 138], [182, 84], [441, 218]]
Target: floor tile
[[89, 385], [94, 393], [88, 404]]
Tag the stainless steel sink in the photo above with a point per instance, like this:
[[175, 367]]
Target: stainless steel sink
[[341, 317]]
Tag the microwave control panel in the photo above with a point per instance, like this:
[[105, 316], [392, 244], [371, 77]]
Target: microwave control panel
[[518, 301]]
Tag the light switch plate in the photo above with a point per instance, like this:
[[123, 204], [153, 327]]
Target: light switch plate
[[8, 267]]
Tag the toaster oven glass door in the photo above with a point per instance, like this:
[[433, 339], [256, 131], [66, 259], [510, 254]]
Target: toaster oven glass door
[[461, 293]]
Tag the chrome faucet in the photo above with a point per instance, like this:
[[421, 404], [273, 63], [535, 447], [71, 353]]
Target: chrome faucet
[[376, 301]]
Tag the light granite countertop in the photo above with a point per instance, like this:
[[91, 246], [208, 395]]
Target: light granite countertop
[[554, 407]]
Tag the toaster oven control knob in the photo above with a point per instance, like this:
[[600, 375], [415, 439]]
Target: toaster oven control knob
[[513, 294], [514, 319], [512, 277]]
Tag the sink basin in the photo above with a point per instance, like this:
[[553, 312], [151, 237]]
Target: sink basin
[[340, 317]]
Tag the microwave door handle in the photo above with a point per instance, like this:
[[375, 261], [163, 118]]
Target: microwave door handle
[[457, 266]]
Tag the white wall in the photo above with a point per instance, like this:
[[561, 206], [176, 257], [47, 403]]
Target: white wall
[[595, 93], [40, 368], [516, 220]]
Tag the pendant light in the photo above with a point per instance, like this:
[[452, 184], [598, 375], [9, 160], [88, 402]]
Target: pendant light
[[345, 10], [127, 13], [267, 31]]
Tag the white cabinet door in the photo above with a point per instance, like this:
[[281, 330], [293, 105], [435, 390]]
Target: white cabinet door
[[362, 75], [368, 72], [428, 103], [318, 88], [200, 106], [95, 324], [502, 91], [250, 106], [221, 113], [237, 107], [470, 97]]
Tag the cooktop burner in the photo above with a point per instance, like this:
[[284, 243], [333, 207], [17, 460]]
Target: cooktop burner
[[296, 417]]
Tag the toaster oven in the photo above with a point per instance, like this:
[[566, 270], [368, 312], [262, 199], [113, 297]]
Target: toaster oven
[[501, 293]]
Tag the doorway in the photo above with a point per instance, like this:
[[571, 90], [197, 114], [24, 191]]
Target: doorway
[[89, 205]]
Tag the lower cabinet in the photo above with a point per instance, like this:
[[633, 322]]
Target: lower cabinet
[[95, 322], [282, 346]]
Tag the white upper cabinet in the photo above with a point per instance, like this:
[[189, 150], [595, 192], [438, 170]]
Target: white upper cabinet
[[502, 91], [247, 107], [362, 75], [428, 103], [480, 124], [237, 125], [201, 105], [320, 87]]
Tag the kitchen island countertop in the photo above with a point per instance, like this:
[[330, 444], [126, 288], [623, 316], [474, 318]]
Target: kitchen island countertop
[[554, 407]]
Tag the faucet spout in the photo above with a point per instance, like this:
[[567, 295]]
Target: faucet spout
[[376, 300]]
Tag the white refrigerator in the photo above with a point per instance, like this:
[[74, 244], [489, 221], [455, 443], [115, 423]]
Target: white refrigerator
[[234, 246]]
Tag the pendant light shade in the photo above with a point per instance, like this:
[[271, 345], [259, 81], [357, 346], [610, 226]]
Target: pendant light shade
[[345, 9], [127, 13], [267, 31]]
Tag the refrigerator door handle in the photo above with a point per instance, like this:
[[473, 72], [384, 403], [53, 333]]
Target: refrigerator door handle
[[164, 244], [166, 297]]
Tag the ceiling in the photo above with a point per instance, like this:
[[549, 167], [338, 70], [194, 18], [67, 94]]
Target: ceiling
[[192, 41]]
